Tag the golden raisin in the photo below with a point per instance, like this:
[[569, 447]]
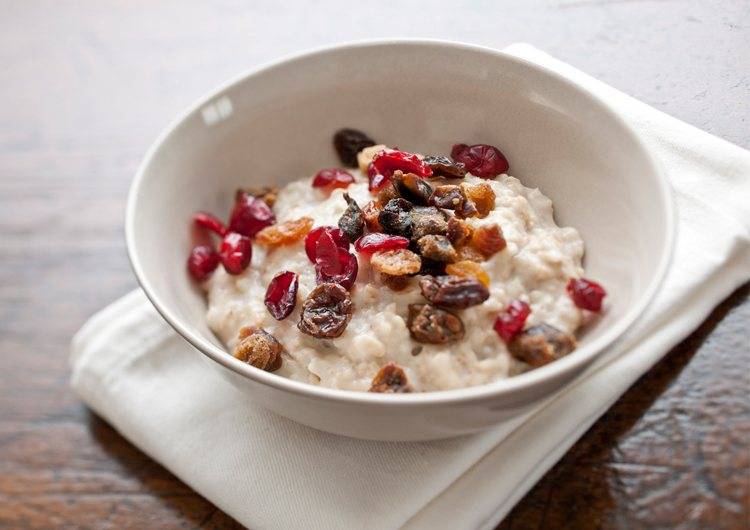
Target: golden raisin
[[285, 233], [468, 269], [481, 195], [488, 239], [469, 253], [459, 232], [390, 379], [398, 262]]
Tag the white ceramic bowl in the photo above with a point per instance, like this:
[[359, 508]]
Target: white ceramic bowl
[[275, 125]]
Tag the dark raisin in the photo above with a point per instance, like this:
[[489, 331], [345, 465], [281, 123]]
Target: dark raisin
[[349, 142], [542, 344], [432, 268], [352, 222], [445, 167], [412, 188], [386, 194], [395, 283], [454, 291], [428, 220], [459, 232], [431, 325], [326, 311], [437, 248], [395, 217], [390, 379], [259, 348]]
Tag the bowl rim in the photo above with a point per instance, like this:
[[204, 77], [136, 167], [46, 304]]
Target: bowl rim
[[560, 368]]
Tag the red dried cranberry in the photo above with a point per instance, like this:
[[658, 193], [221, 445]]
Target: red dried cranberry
[[586, 294], [385, 163], [484, 161], [332, 178], [250, 215], [210, 222], [236, 251], [202, 261], [334, 264], [312, 239], [281, 294], [510, 323], [377, 181], [370, 243]]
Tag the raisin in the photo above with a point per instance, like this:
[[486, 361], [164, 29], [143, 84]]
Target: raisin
[[349, 142], [443, 166], [266, 194], [398, 262], [427, 220], [281, 294], [326, 311], [431, 325], [453, 291], [395, 217], [390, 379], [481, 196], [395, 283], [542, 344], [448, 196], [285, 233], [437, 248], [481, 160], [468, 269], [469, 253], [412, 188], [352, 222], [371, 212], [259, 348], [488, 239], [459, 232], [386, 194], [432, 268]]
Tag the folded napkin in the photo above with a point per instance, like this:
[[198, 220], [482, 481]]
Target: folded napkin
[[268, 472]]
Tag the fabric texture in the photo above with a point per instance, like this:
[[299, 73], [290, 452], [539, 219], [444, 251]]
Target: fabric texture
[[268, 472]]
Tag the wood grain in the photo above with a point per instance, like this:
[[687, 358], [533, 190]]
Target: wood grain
[[87, 86]]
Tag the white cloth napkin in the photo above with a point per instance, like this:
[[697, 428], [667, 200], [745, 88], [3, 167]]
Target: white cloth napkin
[[268, 472]]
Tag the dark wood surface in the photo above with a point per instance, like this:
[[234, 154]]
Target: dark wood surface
[[85, 88]]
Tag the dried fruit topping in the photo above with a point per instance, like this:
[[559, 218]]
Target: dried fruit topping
[[459, 232], [374, 241], [437, 248], [540, 345], [266, 194], [366, 155], [349, 142], [468, 269], [210, 222], [469, 253], [334, 264], [285, 233], [432, 267], [511, 322], [371, 212], [332, 178], [586, 294], [250, 215], [481, 195], [387, 162], [448, 196], [453, 291], [202, 261], [376, 180], [399, 262], [443, 166], [311, 240], [326, 312], [431, 325], [352, 222], [386, 194], [260, 349], [412, 188], [395, 217], [281, 294], [236, 251], [390, 379], [488, 239], [395, 283], [484, 161], [427, 220]]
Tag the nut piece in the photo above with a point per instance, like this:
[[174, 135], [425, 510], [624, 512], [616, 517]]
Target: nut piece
[[395, 217], [349, 142], [266, 194], [371, 212], [427, 220], [481, 195], [400, 262], [326, 311], [437, 248], [258, 348], [459, 232], [542, 344], [390, 379], [395, 283], [453, 291], [445, 167], [430, 325], [352, 222], [285, 233], [469, 269], [488, 239], [412, 188], [366, 156]]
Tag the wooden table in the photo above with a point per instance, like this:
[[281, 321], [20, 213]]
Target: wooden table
[[87, 86]]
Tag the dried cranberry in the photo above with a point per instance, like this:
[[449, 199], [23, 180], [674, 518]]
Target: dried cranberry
[[510, 323], [236, 251], [349, 142], [281, 294], [334, 264], [484, 161], [210, 222], [250, 215], [202, 261], [373, 242], [377, 180], [385, 163], [332, 178], [312, 239], [586, 294]]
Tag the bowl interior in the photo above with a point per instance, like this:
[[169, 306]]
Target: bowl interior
[[276, 125]]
